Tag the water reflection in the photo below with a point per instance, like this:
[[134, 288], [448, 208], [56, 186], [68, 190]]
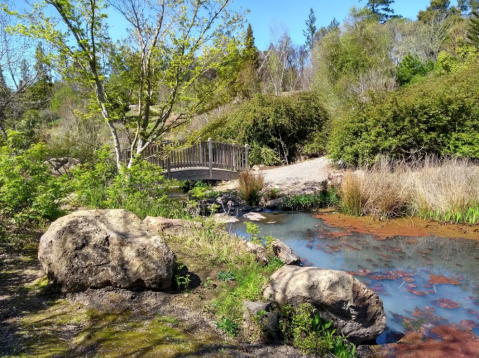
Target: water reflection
[[423, 281]]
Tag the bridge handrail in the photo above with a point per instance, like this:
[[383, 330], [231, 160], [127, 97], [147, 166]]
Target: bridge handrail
[[210, 154]]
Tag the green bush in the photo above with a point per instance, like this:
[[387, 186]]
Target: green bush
[[142, 189], [29, 194], [303, 328], [439, 116], [278, 129]]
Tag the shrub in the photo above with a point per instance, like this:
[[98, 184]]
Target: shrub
[[29, 194], [250, 186], [304, 329], [438, 116], [323, 199], [277, 128], [141, 189]]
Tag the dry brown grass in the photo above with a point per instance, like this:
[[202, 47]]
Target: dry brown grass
[[250, 186], [446, 190]]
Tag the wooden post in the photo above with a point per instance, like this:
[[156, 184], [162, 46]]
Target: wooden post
[[210, 153], [246, 159], [200, 154], [168, 166], [234, 159]]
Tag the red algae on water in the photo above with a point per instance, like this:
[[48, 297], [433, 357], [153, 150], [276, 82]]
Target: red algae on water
[[446, 303], [452, 343], [437, 280]]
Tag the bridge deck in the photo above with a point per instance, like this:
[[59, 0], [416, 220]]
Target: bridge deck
[[203, 173]]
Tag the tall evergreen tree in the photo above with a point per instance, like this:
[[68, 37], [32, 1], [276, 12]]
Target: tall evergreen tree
[[381, 8], [438, 8], [334, 25], [310, 31], [251, 52], [473, 30], [468, 6], [39, 94]]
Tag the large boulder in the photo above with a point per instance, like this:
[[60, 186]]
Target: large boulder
[[356, 311], [99, 248]]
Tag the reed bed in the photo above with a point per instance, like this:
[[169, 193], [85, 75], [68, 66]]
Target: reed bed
[[440, 189]]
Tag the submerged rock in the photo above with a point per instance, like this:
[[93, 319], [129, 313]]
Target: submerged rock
[[356, 311], [100, 248]]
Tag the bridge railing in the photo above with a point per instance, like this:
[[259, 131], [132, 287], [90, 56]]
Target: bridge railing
[[172, 155]]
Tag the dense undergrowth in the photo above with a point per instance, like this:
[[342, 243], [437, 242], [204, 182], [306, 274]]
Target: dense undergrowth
[[438, 116], [278, 129]]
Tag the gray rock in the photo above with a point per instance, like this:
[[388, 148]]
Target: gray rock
[[60, 166], [225, 219], [258, 250], [259, 322], [173, 227], [285, 253], [246, 208], [257, 209], [274, 203], [356, 311], [100, 248], [254, 217]]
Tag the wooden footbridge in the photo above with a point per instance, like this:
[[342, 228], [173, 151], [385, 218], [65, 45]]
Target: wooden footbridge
[[202, 160]]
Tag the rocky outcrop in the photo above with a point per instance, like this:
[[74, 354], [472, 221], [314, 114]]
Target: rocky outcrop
[[100, 248], [357, 312], [60, 166], [285, 253]]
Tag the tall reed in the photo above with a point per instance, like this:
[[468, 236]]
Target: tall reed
[[250, 186], [440, 189]]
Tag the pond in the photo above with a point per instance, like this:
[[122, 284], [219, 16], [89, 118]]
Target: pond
[[423, 281]]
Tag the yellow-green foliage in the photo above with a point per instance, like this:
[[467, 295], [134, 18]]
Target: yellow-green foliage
[[438, 116], [276, 128]]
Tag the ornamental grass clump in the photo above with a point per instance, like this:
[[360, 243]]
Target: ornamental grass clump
[[250, 186], [446, 190]]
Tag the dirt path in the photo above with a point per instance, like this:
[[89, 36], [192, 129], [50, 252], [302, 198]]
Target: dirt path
[[300, 178]]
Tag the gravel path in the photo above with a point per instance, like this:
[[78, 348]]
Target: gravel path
[[300, 178]]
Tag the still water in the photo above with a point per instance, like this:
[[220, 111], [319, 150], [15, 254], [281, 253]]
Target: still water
[[423, 282]]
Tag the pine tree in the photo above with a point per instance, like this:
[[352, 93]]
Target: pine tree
[[334, 25], [310, 31], [251, 52], [473, 30], [468, 6], [381, 9]]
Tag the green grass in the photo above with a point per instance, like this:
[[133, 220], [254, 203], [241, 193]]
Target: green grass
[[471, 216], [308, 202]]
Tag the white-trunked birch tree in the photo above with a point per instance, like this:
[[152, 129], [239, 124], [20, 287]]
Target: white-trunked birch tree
[[177, 54]]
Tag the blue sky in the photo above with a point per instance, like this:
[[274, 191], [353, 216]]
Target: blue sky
[[293, 13]]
